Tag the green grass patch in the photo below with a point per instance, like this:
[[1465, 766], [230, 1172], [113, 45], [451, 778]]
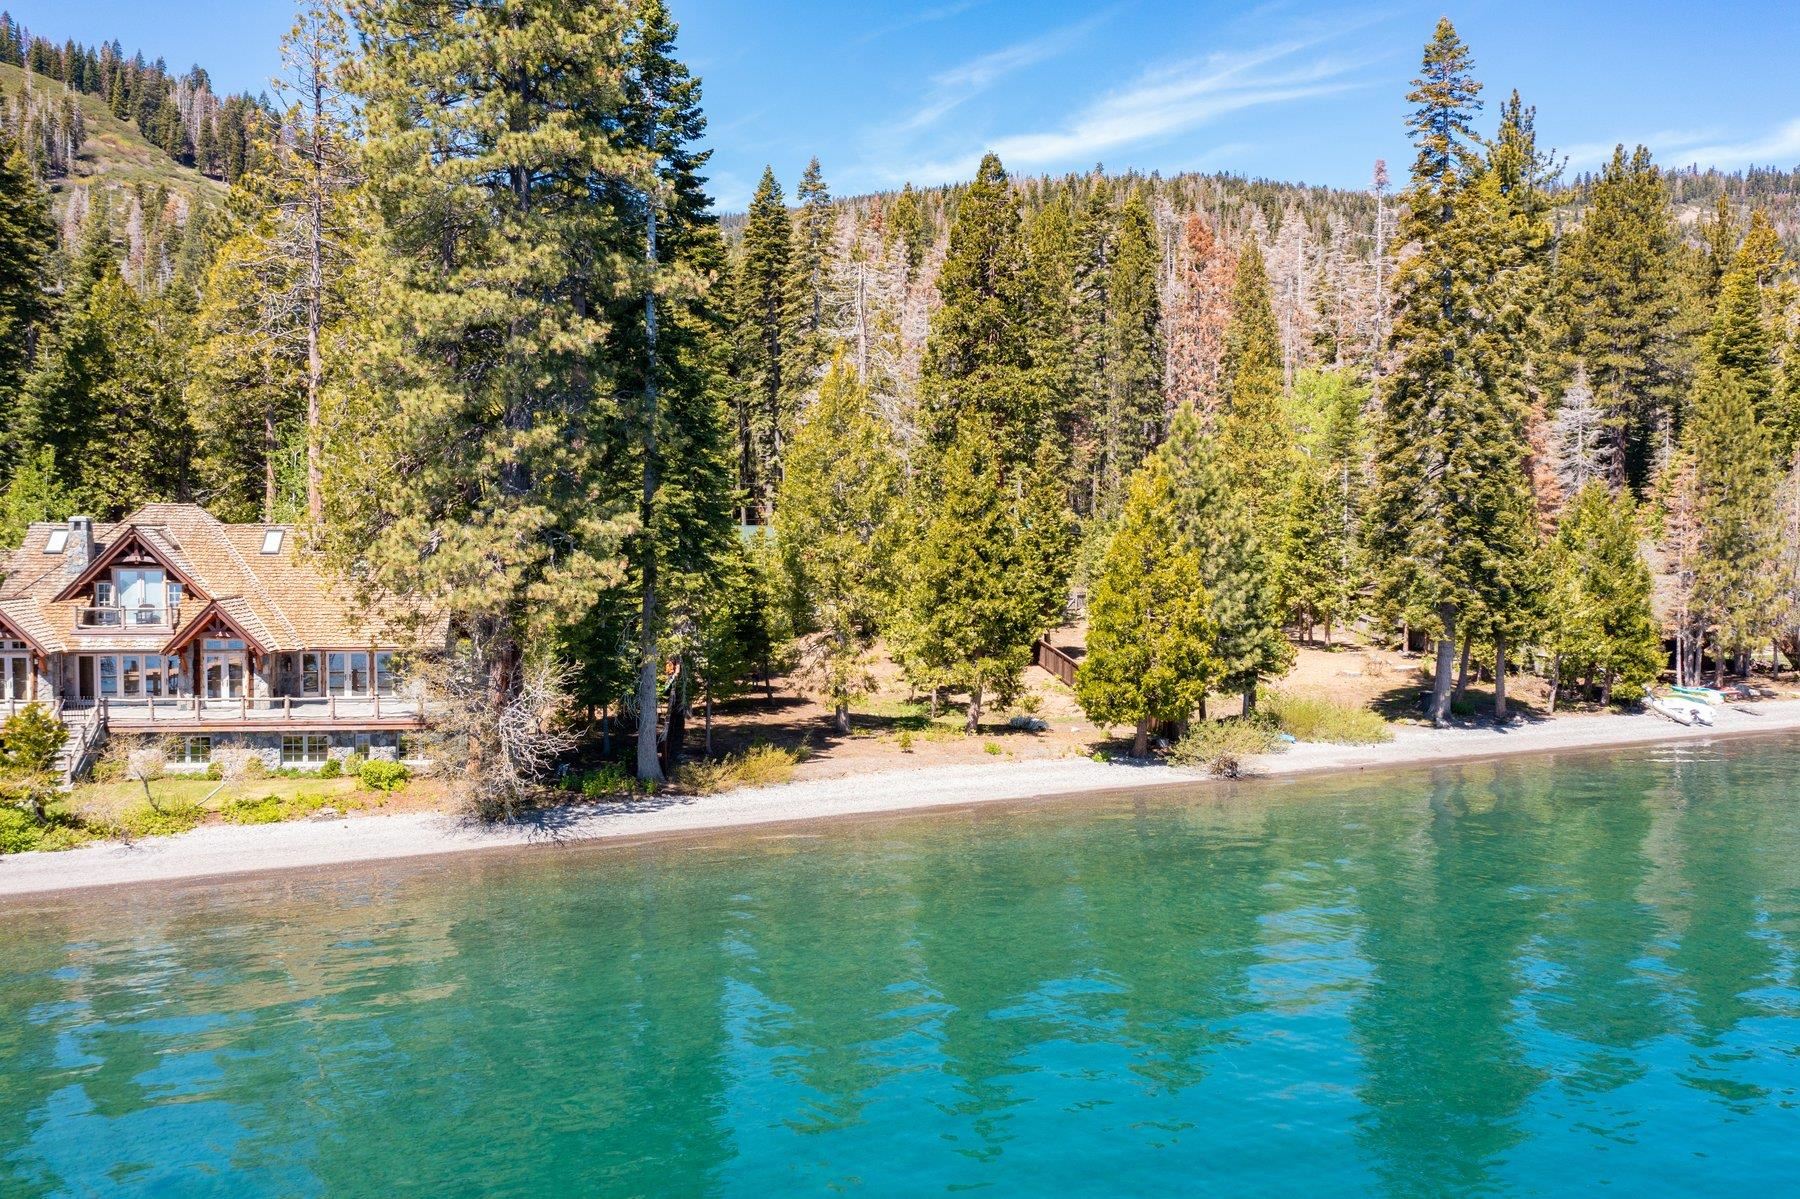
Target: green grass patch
[[161, 820], [1321, 718]]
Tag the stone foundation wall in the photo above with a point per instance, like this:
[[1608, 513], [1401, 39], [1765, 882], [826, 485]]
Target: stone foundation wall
[[267, 746]]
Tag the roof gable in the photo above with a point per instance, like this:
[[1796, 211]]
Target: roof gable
[[135, 544]]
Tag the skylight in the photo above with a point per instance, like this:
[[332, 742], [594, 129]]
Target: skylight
[[272, 541], [59, 538]]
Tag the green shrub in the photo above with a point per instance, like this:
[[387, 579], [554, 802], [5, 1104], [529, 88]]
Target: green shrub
[[906, 741], [380, 775], [604, 781], [1321, 718], [992, 747], [264, 809], [1221, 745], [19, 833], [162, 820], [331, 769], [758, 766], [214, 771]]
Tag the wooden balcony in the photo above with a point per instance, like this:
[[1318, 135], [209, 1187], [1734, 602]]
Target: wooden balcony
[[115, 619], [190, 714]]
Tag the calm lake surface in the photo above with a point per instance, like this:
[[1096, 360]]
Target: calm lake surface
[[1516, 978]]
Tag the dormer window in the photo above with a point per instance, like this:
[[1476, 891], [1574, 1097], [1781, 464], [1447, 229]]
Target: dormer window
[[59, 541], [271, 543]]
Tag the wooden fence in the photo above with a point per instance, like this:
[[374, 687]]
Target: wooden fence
[[1056, 661]]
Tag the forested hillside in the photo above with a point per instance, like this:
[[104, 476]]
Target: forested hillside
[[480, 330]]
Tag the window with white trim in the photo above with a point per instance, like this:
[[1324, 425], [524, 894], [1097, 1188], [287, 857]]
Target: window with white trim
[[305, 749], [194, 751]]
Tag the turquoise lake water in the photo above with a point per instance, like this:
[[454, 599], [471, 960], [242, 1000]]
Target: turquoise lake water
[[1538, 977]]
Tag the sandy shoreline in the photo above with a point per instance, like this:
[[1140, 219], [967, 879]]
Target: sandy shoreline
[[218, 850]]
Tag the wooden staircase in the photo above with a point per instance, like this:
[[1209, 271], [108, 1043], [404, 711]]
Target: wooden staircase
[[87, 733]]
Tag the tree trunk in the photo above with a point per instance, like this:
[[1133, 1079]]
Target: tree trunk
[[1250, 698], [1446, 666], [1606, 688], [675, 738], [973, 725], [315, 301], [1555, 681], [1499, 675], [649, 768], [709, 720], [1719, 666], [1462, 672], [1140, 744], [840, 717]]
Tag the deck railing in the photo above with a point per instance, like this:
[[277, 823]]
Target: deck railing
[[188, 710], [112, 616]]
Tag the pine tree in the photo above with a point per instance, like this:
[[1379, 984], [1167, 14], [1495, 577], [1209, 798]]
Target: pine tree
[[1214, 520], [765, 312], [1451, 519], [1621, 272], [1258, 438], [977, 358], [107, 398], [670, 343], [1134, 357], [837, 512], [1602, 626], [487, 495], [27, 238], [1733, 588], [1323, 573], [1739, 343], [911, 226], [972, 611], [814, 290], [1150, 636], [34, 493]]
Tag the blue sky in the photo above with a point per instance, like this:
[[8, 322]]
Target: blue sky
[[1311, 91]]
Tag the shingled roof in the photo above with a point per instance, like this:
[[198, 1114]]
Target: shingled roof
[[288, 602]]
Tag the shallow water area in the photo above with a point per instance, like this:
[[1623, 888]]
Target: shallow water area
[[1531, 976]]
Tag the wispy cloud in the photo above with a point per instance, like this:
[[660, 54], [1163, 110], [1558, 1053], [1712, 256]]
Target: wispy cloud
[[927, 16], [1163, 102], [955, 87], [1706, 148]]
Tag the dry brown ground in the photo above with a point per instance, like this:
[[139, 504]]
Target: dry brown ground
[[892, 728]]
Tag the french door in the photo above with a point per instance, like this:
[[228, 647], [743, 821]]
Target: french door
[[222, 674]]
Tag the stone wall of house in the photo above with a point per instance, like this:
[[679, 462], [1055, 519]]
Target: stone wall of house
[[267, 746]]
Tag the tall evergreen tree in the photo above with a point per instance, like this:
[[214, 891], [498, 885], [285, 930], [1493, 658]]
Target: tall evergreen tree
[[1134, 357], [1214, 519], [765, 312], [107, 398], [977, 358], [492, 146], [27, 240], [1150, 636], [972, 611], [838, 512], [1258, 438], [814, 286], [1450, 516], [1602, 626], [1625, 312]]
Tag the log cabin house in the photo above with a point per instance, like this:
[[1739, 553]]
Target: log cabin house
[[174, 624]]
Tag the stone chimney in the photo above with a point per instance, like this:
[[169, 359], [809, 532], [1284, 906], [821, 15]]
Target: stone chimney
[[80, 550]]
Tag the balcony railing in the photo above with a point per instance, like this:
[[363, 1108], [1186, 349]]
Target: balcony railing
[[176, 711], [120, 619]]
